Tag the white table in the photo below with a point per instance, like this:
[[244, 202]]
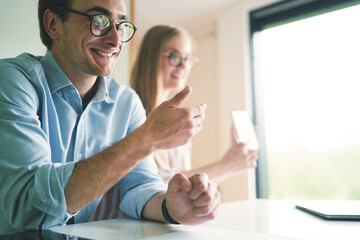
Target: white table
[[281, 218], [250, 219]]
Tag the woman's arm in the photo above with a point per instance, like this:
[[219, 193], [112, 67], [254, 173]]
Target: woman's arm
[[236, 159]]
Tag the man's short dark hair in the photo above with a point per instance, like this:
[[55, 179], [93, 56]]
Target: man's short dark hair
[[52, 5]]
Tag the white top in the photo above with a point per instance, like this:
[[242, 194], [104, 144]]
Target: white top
[[173, 160]]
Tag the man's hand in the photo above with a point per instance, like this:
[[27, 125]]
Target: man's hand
[[192, 200], [170, 125]]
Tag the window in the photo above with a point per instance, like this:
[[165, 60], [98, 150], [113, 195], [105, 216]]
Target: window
[[306, 99]]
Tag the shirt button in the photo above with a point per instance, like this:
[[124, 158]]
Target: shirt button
[[72, 90], [60, 94], [79, 155]]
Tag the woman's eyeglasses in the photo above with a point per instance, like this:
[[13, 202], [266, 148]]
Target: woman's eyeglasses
[[176, 60], [100, 24]]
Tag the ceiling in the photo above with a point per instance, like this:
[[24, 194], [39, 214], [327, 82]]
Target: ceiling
[[176, 12]]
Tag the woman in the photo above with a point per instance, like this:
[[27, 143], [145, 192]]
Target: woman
[[162, 66]]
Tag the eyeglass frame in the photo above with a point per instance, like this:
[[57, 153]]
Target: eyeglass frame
[[182, 59], [117, 25]]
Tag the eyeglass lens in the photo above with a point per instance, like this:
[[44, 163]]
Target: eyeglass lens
[[101, 24], [176, 59]]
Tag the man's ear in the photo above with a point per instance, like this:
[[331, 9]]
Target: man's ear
[[52, 24]]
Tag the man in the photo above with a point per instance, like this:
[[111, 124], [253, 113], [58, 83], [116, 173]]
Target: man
[[69, 133]]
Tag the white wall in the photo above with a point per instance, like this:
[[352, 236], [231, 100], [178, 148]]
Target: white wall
[[19, 32], [19, 28]]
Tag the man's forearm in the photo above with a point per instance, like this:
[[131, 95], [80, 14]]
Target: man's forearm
[[92, 177]]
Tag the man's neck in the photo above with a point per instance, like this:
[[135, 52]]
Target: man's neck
[[83, 82], [84, 85]]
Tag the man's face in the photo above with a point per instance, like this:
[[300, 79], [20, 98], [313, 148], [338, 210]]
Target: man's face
[[81, 53]]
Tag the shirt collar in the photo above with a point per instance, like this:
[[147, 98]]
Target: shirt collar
[[102, 92], [57, 78]]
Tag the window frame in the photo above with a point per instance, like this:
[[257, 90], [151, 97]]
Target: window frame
[[273, 15]]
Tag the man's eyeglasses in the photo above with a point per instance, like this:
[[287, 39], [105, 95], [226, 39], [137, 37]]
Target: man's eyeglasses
[[175, 59], [100, 24]]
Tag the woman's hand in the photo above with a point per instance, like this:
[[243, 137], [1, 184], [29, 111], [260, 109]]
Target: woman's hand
[[238, 157]]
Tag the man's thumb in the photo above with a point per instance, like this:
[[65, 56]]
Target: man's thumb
[[180, 97]]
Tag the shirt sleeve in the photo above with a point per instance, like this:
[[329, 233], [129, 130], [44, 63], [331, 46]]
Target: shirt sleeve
[[31, 186], [139, 186], [143, 182]]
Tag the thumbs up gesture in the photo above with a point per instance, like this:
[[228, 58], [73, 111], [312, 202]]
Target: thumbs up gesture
[[171, 125]]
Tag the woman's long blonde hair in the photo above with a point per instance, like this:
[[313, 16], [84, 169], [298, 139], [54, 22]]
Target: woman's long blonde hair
[[145, 75]]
